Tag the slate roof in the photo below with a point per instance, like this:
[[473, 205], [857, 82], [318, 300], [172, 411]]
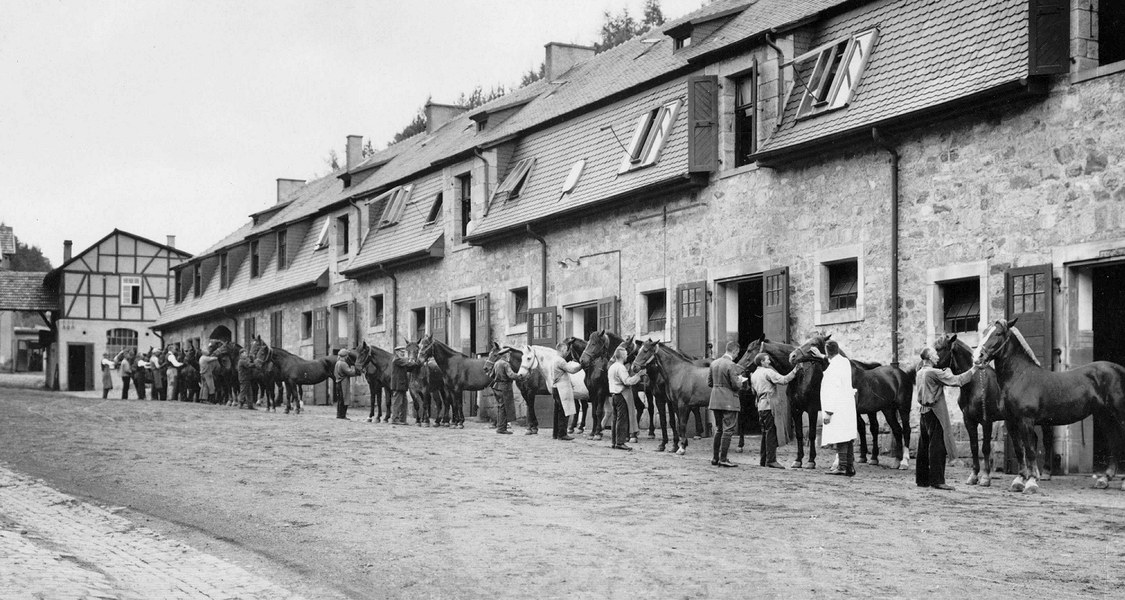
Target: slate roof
[[7, 241], [53, 276], [927, 54], [26, 290], [412, 237]]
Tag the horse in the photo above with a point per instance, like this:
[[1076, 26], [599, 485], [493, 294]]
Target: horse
[[779, 360], [594, 355], [979, 402], [685, 382], [539, 361], [296, 371], [1031, 395], [461, 373], [655, 387], [225, 376], [375, 364], [533, 384]]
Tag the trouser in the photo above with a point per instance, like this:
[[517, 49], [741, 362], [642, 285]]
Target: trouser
[[105, 393], [769, 437], [726, 422], [140, 383], [173, 388], [398, 406], [930, 466], [504, 401], [560, 421], [620, 420], [158, 390], [532, 420], [126, 381], [845, 454], [341, 401]]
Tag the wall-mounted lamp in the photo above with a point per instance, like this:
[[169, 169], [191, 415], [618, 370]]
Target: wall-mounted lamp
[[569, 263]]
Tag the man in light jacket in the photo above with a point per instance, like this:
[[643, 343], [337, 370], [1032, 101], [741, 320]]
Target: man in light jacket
[[837, 400], [765, 381], [725, 379], [936, 442]]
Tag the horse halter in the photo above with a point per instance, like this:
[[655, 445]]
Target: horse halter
[[986, 355]]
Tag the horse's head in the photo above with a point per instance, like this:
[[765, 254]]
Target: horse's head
[[423, 348], [529, 360], [646, 354], [995, 338], [596, 346], [952, 353], [804, 352], [362, 354]]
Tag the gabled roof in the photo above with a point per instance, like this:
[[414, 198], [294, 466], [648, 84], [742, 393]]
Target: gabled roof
[[411, 238], [927, 54], [26, 290], [56, 272]]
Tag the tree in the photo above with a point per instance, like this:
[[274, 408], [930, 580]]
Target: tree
[[478, 97], [653, 17], [368, 149], [332, 160], [418, 125], [532, 76], [28, 258], [620, 28]]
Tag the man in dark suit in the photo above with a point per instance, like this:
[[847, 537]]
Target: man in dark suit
[[341, 389], [725, 379], [400, 383]]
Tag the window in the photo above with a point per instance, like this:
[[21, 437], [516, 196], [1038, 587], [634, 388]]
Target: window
[[322, 239], [1111, 31], [682, 42], [255, 259], [419, 322], [513, 184], [465, 198], [519, 306], [395, 200], [177, 291], [196, 281], [830, 73], [572, 177], [377, 310], [1029, 293], [306, 324], [843, 285], [649, 135], [224, 271], [275, 328], [656, 310], [961, 305], [282, 248], [249, 330], [117, 340], [435, 210], [131, 291], [342, 236], [745, 123], [543, 325]]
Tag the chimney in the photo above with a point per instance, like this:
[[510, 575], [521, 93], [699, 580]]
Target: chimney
[[171, 241], [440, 114], [354, 151], [67, 247], [561, 57], [286, 187]]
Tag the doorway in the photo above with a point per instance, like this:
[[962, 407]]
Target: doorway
[[581, 321], [79, 368], [465, 326], [1109, 334], [742, 311]]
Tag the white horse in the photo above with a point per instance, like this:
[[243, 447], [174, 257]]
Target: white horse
[[545, 360]]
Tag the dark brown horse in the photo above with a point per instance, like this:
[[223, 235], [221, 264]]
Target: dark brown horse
[[685, 382], [296, 371], [979, 401], [460, 373], [885, 389], [779, 359], [375, 364], [594, 355], [1031, 395]]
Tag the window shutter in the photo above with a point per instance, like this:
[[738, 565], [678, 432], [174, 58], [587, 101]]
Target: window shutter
[[484, 333], [438, 320], [541, 326], [1048, 37], [188, 278], [275, 329], [703, 124], [353, 324], [320, 332], [1028, 296], [775, 304], [607, 314], [691, 319]]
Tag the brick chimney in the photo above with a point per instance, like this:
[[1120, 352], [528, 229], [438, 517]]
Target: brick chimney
[[286, 187], [354, 151], [67, 250], [561, 57], [171, 243], [440, 114]]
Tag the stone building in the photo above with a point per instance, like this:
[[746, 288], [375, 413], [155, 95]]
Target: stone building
[[886, 171]]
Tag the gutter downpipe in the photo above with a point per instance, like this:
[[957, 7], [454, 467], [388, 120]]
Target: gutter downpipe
[[543, 267], [780, 59], [394, 301], [886, 145]]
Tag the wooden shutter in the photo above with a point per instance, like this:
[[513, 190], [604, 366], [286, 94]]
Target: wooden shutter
[[607, 314], [353, 324], [484, 332], [1029, 295], [691, 318], [1048, 37], [275, 328], [439, 317], [541, 329], [249, 325], [703, 123], [775, 304], [187, 279], [320, 332]]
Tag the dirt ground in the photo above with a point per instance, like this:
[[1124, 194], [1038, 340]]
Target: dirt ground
[[330, 508]]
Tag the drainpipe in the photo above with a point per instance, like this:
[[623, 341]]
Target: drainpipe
[[780, 80], [394, 302], [543, 256], [886, 145]]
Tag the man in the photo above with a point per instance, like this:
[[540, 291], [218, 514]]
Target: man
[[562, 389], [107, 374], [173, 373], [619, 382], [158, 383], [837, 400], [125, 370], [400, 382], [502, 377], [340, 388], [140, 374], [936, 442], [206, 375], [724, 379], [765, 381]]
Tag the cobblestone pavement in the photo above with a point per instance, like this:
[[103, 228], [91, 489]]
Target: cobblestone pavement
[[55, 546]]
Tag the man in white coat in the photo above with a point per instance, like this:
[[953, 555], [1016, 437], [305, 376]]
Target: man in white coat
[[837, 400]]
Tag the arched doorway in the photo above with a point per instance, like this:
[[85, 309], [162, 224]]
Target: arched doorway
[[220, 333]]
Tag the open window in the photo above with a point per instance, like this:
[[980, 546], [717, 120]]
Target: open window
[[394, 204], [961, 305], [518, 303], [435, 210], [572, 177], [131, 291], [322, 239], [649, 134], [830, 73], [513, 184], [843, 285]]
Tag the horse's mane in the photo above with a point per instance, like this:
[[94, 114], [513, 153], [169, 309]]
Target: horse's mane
[[282, 352], [443, 345], [1023, 344]]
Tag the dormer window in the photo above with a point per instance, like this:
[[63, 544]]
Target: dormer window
[[435, 210], [395, 205], [831, 73], [322, 239], [513, 184], [681, 42], [649, 134]]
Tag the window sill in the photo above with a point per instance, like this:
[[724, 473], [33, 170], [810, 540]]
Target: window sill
[[738, 170], [836, 317], [1101, 71], [377, 328], [517, 329]]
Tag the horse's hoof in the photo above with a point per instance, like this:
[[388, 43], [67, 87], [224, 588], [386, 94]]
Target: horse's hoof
[[651, 435], [570, 430], [661, 448], [985, 482], [904, 465], [972, 480], [696, 437], [873, 462], [810, 465], [681, 451], [1102, 482], [598, 437], [738, 449], [862, 459], [1017, 485], [634, 440], [1045, 476], [795, 464], [1031, 487]]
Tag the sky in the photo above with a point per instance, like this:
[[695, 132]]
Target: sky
[[176, 118]]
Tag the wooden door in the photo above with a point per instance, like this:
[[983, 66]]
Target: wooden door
[[775, 305], [607, 314], [1029, 297], [541, 330], [439, 319], [320, 349], [484, 332], [691, 317]]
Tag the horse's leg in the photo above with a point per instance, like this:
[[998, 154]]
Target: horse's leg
[[861, 429], [1048, 452], [896, 435], [1031, 441], [811, 464], [874, 419], [986, 451], [682, 412], [798, 417], [662, 408], [675, 419], [971, 429], [599, 416], [652, 415]]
